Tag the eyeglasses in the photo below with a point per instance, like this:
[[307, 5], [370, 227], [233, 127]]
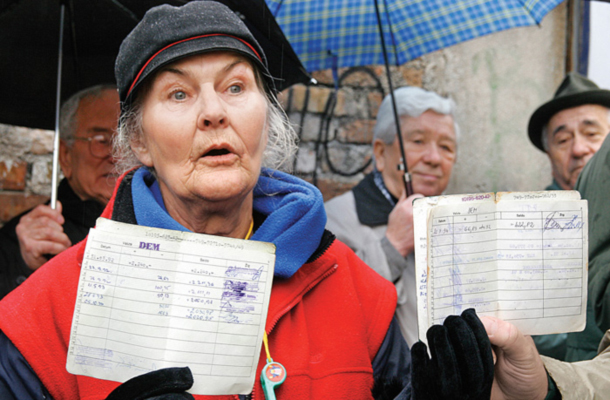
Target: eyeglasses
[[100, 146]]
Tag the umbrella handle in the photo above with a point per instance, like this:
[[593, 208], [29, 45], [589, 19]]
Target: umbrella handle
[[408, 184], [406, 177], [55, 176]]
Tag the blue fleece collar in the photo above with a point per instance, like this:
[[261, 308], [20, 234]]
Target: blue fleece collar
[[148, 204], [294, 210]]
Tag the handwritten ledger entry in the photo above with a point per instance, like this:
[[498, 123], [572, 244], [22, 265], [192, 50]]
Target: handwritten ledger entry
[[521, 257], [151, 298]]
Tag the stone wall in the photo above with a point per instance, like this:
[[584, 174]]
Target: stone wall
[[335, 141], [497, 82]]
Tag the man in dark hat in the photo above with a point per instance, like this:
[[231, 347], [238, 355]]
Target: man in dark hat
[[571, 127]]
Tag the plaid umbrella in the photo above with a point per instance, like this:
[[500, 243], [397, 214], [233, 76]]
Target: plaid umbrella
[[348, 29], [347, 33]]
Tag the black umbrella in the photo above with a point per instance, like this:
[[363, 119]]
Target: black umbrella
[[31, 51]]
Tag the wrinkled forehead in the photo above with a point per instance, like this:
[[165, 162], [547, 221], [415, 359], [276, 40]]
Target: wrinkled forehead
[[183, 67], [587, 115], [430, 124]]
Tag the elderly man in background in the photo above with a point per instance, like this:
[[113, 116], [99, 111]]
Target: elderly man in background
[[88, 123], [571, 128], [375, 218]]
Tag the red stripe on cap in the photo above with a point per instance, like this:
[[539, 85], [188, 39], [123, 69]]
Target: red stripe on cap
[[186, 40]]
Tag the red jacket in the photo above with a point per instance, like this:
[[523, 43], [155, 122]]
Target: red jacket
[[325, 325]]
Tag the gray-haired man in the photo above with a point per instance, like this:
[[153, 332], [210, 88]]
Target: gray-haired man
[[375, 218], [88, 123]]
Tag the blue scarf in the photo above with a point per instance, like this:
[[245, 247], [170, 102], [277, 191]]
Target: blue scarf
[[294, 209]]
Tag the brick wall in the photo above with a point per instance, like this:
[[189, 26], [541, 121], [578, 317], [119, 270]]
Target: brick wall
[[336, 127], [25, 169]]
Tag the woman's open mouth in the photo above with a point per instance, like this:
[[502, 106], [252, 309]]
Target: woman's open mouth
[[219, 156], [216, 152]]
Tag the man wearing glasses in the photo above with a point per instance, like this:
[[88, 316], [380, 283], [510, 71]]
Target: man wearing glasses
[[87, 125]]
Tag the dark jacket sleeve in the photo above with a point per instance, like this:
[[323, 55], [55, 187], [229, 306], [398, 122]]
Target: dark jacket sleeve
[[594, 186], [13, 270], [392, 366], [17, 379]]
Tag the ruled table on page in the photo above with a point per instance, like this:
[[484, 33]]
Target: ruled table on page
[[519, 261], [151, 298]]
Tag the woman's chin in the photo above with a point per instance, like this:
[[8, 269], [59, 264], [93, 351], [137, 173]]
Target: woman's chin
[[224, 185]]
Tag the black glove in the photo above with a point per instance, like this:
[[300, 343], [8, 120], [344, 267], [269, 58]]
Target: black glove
[[462, 365], [162, 384]]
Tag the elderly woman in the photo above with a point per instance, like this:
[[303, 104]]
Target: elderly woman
[[199, 116]]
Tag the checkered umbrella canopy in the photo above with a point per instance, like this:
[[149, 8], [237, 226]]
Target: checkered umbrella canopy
[[348, 29]]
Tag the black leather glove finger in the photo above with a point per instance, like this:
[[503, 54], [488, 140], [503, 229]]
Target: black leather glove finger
[[466, 352], [162, 384], [444, 361], [484, 345], [423, 375], [461, 366], [437, 377]]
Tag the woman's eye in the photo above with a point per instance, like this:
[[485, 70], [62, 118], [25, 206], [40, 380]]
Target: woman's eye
[[235, 89], [179, 95]]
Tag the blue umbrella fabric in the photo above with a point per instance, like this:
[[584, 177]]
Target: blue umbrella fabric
[[320, 30]]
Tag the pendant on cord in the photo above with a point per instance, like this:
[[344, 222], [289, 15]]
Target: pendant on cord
[[272, 375]]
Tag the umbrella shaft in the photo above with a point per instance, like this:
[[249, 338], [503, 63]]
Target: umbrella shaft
[[55, 176], [407, 176]]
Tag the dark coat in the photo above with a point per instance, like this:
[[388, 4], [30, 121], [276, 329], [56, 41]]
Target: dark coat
[[594, 185]]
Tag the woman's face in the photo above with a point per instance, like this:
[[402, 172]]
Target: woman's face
[[204, 129]]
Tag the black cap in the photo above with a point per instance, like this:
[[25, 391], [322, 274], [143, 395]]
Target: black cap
[[575, 90], [167, 34]]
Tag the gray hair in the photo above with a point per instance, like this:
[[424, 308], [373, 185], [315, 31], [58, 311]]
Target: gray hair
[[68, 112], [411, 101], [281, 143], [545, 134]]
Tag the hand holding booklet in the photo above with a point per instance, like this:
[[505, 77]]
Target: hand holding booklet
[[152, 298], [519, 256]]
